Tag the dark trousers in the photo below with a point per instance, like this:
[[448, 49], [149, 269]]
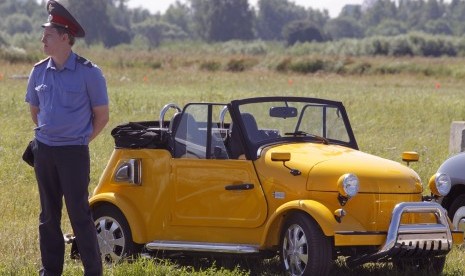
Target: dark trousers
[[64, 172]]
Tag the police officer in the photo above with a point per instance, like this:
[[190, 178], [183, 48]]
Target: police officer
[[68, 102]]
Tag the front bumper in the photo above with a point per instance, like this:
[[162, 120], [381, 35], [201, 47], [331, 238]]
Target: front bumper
[[413, 240]]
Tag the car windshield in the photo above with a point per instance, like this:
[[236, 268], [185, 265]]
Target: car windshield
[[272, 121]]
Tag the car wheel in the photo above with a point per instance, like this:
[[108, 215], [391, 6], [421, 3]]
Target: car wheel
[[113, 233], [434, 265], [305, 250], [456, 212]]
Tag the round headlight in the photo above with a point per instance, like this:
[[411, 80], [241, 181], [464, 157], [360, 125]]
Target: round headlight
[[348, 185], [440, 184]]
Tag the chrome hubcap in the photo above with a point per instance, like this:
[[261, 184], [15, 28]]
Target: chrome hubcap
[[110, 239], [295, 250]]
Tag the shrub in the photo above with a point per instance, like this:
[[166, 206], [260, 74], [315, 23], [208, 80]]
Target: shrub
[[211, 66], [433, 46], [376, 46], [459, 45], [236, 47], [284, 65], [16, 55], [24, 40], [305, 48], [154, 64], [3, 40], [241, 64], [400, 46], [307, 66], [360, 68], [389, 69]]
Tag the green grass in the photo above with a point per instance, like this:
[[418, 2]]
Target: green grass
[[389, 114]]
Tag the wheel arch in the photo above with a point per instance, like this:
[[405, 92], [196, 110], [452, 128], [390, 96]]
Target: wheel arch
[[456, 191], [132, 216], [323, 217]]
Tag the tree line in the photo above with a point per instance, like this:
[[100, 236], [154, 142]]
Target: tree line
[[111, 22]]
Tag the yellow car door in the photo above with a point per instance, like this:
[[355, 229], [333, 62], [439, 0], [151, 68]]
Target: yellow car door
[[217, 193]]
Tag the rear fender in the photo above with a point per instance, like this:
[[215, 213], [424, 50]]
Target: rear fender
[[135, 221]]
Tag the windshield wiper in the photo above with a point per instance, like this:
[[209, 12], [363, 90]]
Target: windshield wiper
[[303, 133]]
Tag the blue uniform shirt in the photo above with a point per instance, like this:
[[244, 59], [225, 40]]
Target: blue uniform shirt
[[65, 99]]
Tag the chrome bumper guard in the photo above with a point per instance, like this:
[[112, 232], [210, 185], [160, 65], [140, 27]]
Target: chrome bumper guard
[[413, 240]]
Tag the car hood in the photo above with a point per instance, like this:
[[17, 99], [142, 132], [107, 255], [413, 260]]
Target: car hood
[[324, 164]]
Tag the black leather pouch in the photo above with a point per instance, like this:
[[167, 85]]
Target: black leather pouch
[[28, 155]]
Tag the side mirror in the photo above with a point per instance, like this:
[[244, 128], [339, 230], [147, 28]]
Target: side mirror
[[410, 156], [284, 157], [280, 156]]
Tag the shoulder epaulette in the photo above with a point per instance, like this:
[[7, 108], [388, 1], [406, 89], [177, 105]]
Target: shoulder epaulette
[[42, 61], [84, 61]]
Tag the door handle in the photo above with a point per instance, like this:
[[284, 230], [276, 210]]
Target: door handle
[[239, 187]]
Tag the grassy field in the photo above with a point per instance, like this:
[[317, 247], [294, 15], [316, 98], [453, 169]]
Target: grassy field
[[390, 113]]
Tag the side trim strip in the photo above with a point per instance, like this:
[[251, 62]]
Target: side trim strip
[[202, 247]]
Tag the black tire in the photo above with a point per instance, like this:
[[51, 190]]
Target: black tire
[[429, 266], [305, 250], [456, 204], [113, 234]]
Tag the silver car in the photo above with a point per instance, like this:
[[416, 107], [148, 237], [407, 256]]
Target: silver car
[[454, 202]]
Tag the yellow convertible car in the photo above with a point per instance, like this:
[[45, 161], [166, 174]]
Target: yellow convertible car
[[266, 176]]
